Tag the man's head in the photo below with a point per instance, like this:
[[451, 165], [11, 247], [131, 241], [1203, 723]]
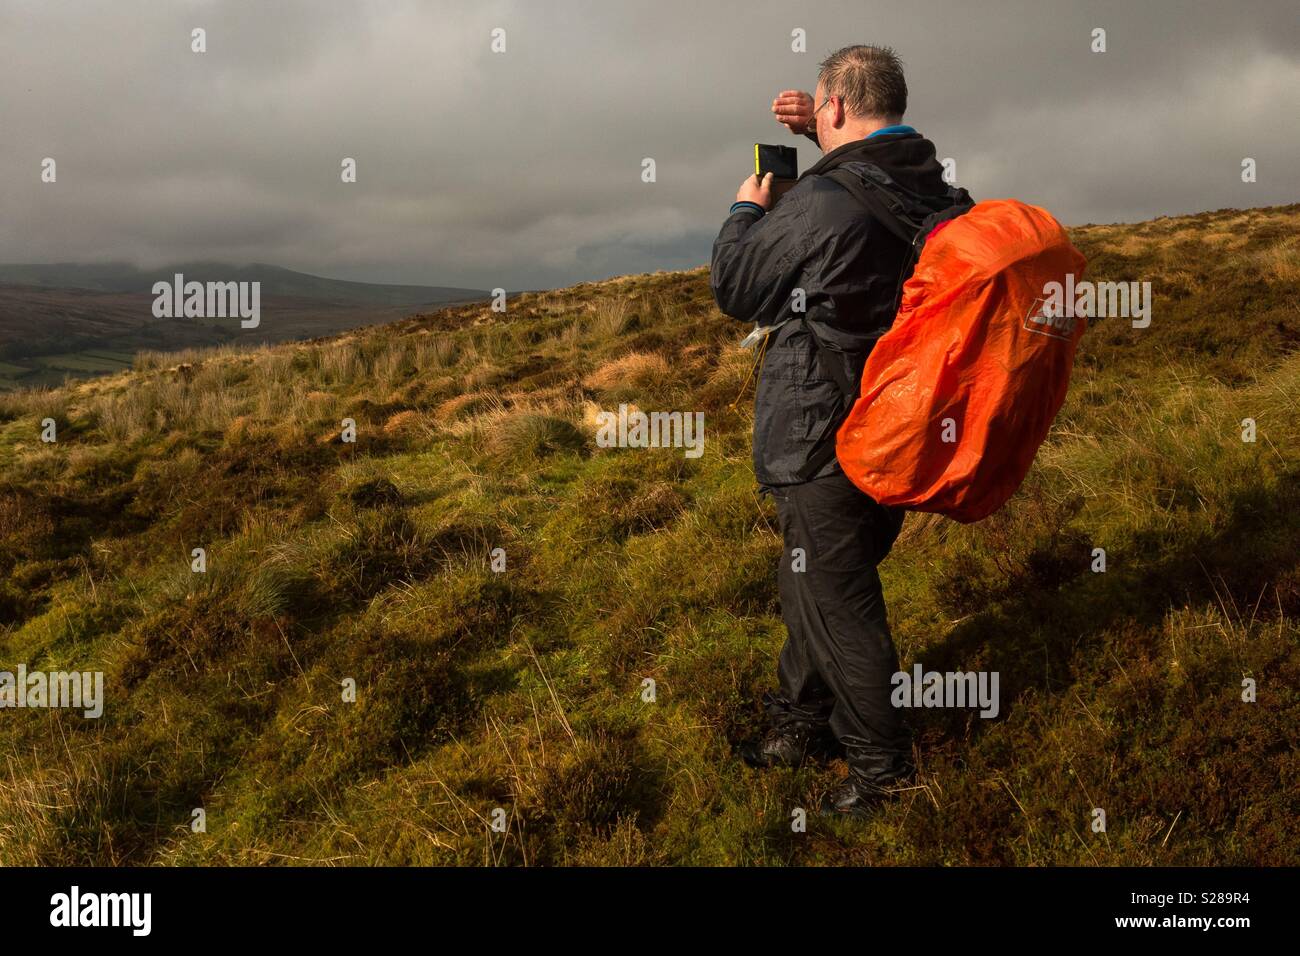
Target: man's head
[[860, 89]]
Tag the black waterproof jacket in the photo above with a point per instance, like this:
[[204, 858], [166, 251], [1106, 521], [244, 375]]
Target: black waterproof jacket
[[819, 239]]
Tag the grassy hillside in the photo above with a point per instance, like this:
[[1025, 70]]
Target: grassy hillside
[[523, 690]]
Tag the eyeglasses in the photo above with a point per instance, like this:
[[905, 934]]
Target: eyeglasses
[[812, 120]]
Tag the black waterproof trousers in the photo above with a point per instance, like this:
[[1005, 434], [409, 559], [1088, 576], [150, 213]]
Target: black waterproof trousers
[[839, 658]]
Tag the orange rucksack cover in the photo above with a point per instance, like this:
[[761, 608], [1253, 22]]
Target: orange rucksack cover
[[957, 396]]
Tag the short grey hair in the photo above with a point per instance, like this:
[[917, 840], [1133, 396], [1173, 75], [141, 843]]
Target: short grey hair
[[869, 79]]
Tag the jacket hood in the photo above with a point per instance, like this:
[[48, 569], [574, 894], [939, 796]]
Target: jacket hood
[[908, 158]]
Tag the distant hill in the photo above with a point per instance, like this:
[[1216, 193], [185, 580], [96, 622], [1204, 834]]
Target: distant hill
[[70, 319], [123, 277]]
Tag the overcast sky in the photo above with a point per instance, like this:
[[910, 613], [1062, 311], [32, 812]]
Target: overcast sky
[[523, 169]]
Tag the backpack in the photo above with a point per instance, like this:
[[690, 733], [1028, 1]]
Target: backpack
[[959, 393]]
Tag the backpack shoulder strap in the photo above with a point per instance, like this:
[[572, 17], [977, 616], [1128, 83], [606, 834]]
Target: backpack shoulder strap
[[903, 212], [888, 209], [908, 215]]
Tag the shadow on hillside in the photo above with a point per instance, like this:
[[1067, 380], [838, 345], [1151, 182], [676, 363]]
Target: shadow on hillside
[[1032, 638], [420, 683]]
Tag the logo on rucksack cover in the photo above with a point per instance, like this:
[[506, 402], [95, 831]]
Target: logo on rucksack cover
[[1042, 320]]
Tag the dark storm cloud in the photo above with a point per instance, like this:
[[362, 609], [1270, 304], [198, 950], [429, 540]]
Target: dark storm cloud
[[524, 169]]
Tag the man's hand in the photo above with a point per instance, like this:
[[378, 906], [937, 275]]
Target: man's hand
[[751, 190], [794, 110]]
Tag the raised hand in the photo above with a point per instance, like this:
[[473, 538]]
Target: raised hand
[[794, 110]]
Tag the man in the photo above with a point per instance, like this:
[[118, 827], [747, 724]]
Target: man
[[821, 249]]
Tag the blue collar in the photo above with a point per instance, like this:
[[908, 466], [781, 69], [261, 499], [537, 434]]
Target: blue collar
[[891, 129]]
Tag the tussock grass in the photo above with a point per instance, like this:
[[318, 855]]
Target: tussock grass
[[525, 690], [638, 370]]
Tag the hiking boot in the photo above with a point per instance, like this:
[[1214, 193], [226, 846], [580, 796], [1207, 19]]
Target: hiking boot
[[789, 745], [854, 798], [859, 796]]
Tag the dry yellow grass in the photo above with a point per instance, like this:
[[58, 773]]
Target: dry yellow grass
[[403, 423], [461, 406], [243, 428], [1281, 262], [638, 370]]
